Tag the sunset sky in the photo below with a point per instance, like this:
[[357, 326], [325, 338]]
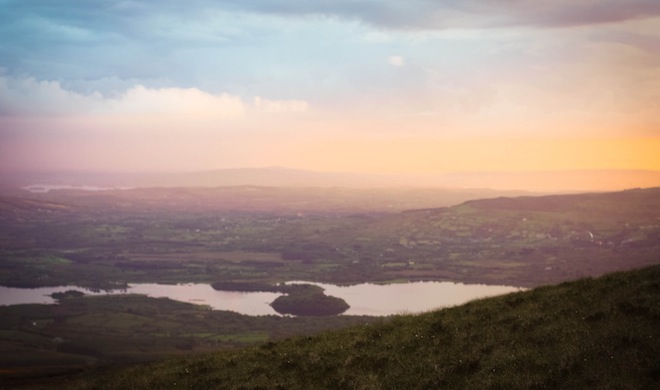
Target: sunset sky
[[415, 86]]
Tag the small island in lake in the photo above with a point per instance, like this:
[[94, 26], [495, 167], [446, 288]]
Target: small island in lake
[[300, 299], [310, 305], [67, 294]]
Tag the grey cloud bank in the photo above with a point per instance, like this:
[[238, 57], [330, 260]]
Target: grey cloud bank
[[311, 48]]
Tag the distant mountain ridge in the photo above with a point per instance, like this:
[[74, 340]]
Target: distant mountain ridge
[[548, 181]]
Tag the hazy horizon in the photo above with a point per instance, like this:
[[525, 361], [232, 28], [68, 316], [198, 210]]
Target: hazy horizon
[[424, 88], [277, 176]]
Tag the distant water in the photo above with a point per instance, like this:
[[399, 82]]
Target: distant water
[[364, 299], [250, 303], [415, 297], [43, 188]]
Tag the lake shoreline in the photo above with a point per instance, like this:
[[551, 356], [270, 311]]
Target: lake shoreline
[[363, 299]]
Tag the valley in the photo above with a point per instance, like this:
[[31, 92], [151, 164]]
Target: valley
[[105, 240], [109, 239]]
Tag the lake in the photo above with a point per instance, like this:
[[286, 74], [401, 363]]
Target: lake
[[415, 297], [44, 188], [364, 299]]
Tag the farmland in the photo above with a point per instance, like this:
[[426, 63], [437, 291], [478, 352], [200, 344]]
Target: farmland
[[107, 240], [526, 241]]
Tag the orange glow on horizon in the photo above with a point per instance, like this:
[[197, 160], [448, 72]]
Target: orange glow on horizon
[[435, 155]]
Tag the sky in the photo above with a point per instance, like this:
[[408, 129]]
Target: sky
[[415, 86]]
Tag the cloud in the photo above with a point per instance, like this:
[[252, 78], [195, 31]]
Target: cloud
[[259, 47], [433, 14], [27, 96], [553, 13], [646, 43], [279, 106], [134, 17], [396, 61], [190, 102]]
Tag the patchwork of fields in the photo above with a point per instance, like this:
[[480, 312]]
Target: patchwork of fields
[[108, 241]]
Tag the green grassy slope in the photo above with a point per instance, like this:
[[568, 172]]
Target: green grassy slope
[[591, 333]]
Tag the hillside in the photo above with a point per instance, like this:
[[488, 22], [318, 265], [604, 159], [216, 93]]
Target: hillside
[[523, 241], [262, 199], [590, 333]]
